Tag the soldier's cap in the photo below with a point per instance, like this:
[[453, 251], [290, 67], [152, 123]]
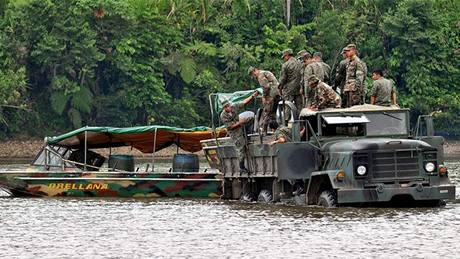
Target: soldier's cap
[[301, 53], [225, 102], [343, 51], [286, 52], [313, 79], [350, 47], [250, 69], [306, 55], [318, 54]]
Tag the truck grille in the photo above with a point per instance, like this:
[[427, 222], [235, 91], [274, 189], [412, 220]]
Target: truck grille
[[395, 164]]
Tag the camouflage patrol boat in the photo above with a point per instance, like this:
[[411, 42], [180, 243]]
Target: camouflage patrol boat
[[69, 165], [365, 155]]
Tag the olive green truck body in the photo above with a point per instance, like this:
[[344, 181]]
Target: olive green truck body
[[364, 155]]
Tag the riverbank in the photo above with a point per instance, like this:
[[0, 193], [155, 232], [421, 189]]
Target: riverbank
[[27, 149]]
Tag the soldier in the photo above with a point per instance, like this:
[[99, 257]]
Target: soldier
[[313, 68], [325, 96], [270, 97], [383, 92], [326, 69], [306, 59], [235, 126], [282, 134], [341, 73], [289, 83], [355, 80], [300, 54]]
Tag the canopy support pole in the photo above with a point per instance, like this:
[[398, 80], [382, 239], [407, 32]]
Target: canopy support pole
[[154, 148], [86, 147]]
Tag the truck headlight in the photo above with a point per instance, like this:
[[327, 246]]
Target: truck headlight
[[429, 167], [361, 170]]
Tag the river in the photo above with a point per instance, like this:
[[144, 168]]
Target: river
[[185, 228]]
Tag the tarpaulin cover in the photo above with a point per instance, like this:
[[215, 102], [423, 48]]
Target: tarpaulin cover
[[141, 138]]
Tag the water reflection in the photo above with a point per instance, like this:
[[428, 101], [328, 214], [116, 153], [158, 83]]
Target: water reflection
[[140, 228]]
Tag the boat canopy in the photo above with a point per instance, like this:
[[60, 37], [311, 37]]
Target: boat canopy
[[141, 138], [234, 97]]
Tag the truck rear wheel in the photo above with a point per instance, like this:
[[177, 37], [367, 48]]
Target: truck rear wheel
[[327, 199]]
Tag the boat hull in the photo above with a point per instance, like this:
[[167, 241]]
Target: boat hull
[[63, 184]]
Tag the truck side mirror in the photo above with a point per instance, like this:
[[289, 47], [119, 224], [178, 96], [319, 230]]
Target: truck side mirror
[[424, 126]]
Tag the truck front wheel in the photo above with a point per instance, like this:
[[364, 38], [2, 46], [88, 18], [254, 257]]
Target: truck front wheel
[[327, 199]]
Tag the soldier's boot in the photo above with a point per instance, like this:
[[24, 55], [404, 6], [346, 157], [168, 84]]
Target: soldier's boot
[[243, 169]]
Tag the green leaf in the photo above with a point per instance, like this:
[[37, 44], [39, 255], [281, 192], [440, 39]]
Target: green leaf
[[82, 100], [75, 117], [188, 70], [58, 101]]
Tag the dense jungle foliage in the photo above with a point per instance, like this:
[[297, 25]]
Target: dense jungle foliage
[[64, 64]]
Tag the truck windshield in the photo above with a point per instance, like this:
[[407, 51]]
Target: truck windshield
[[386, 123]]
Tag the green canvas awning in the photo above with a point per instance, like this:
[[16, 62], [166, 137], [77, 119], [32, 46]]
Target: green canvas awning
[[232, 97], [141, 138]]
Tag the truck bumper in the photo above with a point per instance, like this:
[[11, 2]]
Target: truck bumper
[[385, 194]]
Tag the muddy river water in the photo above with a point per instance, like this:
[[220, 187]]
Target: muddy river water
[[185, 228]]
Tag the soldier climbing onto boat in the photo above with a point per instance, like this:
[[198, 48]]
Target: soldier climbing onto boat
[[236, 126], [270, 97]]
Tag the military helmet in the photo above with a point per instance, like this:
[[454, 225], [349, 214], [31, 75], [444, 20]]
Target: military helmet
[[286, 51], [250, 69]]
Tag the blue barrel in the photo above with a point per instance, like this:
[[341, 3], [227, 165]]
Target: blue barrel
[[186, 163], [121, 162]]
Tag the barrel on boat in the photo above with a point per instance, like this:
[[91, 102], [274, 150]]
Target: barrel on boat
[[186, 163], [121, 162]]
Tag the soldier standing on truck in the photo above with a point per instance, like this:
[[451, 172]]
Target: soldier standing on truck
[[383, 92], [270, 97], [325, 96], [306, 59], [355, 80], [289, 83], [326, 69], [341, 73], [235, 126]]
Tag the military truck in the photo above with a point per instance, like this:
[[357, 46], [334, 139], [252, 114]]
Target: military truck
[[364, 155]]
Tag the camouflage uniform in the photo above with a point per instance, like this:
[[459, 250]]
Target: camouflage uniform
[[285, 132], [289, 83], [382, 91], [237, 135], [340, 75], [326, 71], [269, 85], [326, 97], [355, 82], [314, 68]]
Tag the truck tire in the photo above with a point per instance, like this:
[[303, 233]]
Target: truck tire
[[265, 196], [327, 199]]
